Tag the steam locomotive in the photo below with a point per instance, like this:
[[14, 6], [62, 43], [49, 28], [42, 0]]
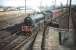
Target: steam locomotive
[[36, 21]]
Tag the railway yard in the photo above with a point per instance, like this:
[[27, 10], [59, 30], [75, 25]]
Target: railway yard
[[28, 31], [37, 41], [21, 42]]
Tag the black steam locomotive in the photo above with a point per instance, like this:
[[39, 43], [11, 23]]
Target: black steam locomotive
[[36, 21]]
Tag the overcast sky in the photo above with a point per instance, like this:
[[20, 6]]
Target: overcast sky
[[12, 2], [33, 3]]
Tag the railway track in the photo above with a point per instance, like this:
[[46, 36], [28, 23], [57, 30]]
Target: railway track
[[37, 41], [11, 41], [14, 41], [31, 42], [40, 41], [25, 42], [8, 40]]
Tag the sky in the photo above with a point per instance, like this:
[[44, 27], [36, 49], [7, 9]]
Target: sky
[[33, 3], [12, 2]]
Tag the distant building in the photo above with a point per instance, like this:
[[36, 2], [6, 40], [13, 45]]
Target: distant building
[[11, 8], [1, 9]]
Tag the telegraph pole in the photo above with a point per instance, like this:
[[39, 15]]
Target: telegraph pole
[[25, 8], [70, 18], [70, 8]]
